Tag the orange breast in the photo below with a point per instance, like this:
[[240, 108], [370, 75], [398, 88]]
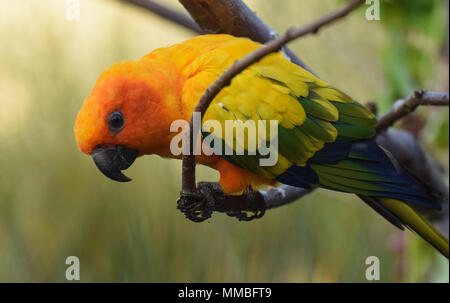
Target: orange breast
[[234, 180]]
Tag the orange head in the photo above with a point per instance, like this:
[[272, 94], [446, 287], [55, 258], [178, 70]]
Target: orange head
[[127, 114]]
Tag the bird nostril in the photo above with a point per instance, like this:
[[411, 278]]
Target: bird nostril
[[97, 147]]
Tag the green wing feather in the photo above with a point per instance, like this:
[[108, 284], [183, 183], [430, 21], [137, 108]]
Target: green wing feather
[[310, 113]]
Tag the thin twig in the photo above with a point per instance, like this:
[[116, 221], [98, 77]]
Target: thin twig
[[404, 107], [188, 172], [168, 13]]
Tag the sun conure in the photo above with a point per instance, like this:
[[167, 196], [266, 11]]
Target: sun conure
[[325, 138]]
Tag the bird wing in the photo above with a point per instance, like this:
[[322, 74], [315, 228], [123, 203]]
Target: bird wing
[[309, 112], [324, 136]]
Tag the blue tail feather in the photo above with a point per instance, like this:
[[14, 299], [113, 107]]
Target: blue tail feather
[[347, 166]]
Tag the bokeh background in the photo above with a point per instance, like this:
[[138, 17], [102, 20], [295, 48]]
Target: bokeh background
[[54, 203]]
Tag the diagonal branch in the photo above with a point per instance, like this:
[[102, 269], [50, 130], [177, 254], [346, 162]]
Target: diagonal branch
[[403, 107], [188, 173], [216, 16], [168, 13], [234, 17], [224, 79]]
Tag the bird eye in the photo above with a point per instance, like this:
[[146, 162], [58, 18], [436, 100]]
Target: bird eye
[[116, 121]]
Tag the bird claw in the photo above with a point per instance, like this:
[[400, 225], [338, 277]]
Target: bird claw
[[197, 206], [246, 215]]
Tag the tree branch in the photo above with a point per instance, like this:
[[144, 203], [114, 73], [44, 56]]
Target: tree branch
[[189, 190], [168, 13], [239, 206], [403, 107], [212, 16], [234, 17]]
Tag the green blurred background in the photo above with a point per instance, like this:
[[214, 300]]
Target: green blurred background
[[54, 203]]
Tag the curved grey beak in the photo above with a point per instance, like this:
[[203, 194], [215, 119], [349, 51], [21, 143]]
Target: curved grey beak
[[113, 159]]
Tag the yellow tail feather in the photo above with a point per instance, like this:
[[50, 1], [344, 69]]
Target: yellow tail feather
[[417, 223]]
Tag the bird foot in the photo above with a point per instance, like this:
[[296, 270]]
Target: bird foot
[[208, 197], [247, 215], [199, 205]]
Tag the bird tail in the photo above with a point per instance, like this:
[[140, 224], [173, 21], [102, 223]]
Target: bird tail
[[379, 180], [413, 220]]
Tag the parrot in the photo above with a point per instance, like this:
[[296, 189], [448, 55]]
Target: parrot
[[325, 138]]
